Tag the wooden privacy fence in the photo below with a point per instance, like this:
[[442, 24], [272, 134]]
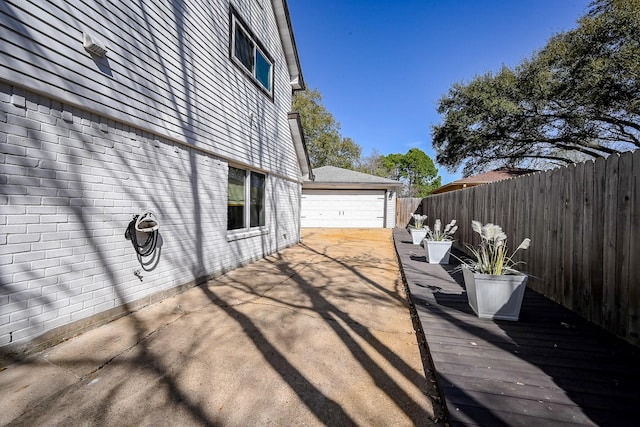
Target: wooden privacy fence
[[584, 224], [405, 207]]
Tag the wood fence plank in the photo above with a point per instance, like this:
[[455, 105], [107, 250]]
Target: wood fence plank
[[585, 282], [508, 219], [577, 213], [545, 271], [535, 217], [568, 176], [521, 207], [540, 228], [634, 251], [491, 210], [609, 231], [623, 244], [556, 247], [597, 242], [464, 221], [405, 207], [522, 221]]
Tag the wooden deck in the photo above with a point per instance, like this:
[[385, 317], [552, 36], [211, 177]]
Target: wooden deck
[[550, 368]]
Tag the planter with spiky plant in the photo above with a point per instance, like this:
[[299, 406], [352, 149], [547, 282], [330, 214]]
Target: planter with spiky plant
[[438, 242], [495, 289], [417, 230]]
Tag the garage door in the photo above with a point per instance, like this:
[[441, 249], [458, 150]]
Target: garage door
[[343, 209]]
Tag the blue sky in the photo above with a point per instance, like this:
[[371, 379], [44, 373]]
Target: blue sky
[[382, 65]]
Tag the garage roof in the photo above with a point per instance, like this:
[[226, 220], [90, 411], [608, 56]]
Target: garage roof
[[334, 177]]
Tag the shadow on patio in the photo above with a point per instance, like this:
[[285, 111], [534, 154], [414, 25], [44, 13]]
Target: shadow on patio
[[318, 334]]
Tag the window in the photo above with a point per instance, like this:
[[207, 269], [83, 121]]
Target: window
[[245, 186], [247, 53], [256, 219]]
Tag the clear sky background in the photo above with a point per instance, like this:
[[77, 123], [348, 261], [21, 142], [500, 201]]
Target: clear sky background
[[382, 65]]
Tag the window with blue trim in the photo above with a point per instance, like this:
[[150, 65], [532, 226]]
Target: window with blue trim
[[250, 56]]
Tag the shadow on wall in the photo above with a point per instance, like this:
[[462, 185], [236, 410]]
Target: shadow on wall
[[73, 166], [144, 233], [405, 208]]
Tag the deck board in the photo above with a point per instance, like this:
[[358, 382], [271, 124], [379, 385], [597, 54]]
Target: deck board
[[552, 367]]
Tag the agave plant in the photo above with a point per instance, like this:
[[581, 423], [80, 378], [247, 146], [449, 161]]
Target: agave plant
[[418, 220], [491, 257], [438, 234]]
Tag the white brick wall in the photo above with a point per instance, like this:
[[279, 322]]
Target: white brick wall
[[70, 182]]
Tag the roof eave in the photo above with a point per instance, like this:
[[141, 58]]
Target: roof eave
[[297, 135], [281, 11], [349, 185]]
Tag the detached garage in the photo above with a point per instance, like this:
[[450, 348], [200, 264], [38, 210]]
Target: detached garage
[[341, 198]]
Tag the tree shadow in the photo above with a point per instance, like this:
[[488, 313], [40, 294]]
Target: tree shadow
[[550, 358], [324, 408], [79, 204], [344, 326]]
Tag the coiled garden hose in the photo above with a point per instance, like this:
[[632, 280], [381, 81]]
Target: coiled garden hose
[[148, 246]]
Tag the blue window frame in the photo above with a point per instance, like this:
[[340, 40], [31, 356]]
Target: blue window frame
[[250, 56]]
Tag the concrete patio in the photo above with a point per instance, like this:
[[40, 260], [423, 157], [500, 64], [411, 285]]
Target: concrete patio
[[318, 334]]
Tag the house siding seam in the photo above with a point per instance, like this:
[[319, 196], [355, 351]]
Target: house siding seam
[[167, 70], [83, 148]]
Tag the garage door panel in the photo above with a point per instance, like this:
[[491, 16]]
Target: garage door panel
[[343, 209]]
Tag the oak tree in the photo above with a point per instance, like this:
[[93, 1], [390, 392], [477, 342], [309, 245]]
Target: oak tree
[[415, 170], [577, 98]]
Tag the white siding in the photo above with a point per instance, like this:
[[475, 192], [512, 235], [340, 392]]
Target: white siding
[[390, 209], [167, 70]]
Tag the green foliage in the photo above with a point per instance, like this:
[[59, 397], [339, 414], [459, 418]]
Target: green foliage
[[579, 97], [415, 169], [328, 148], [322, 133]]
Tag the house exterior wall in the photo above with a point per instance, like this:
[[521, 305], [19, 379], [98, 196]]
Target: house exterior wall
[[390, 209], [167, 70], [86, 143]]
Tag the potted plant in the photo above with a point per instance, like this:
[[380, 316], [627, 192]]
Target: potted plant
[[417, 230], [438, 242], [494, 287]]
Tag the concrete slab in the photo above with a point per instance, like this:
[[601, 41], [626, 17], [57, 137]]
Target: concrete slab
[[318, 334]]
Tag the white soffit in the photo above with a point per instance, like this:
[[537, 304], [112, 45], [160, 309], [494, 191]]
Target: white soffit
[[288, 43]]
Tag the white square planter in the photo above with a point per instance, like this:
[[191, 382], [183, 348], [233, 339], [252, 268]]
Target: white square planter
[[418, 235], [495, 297], [438, 251]]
